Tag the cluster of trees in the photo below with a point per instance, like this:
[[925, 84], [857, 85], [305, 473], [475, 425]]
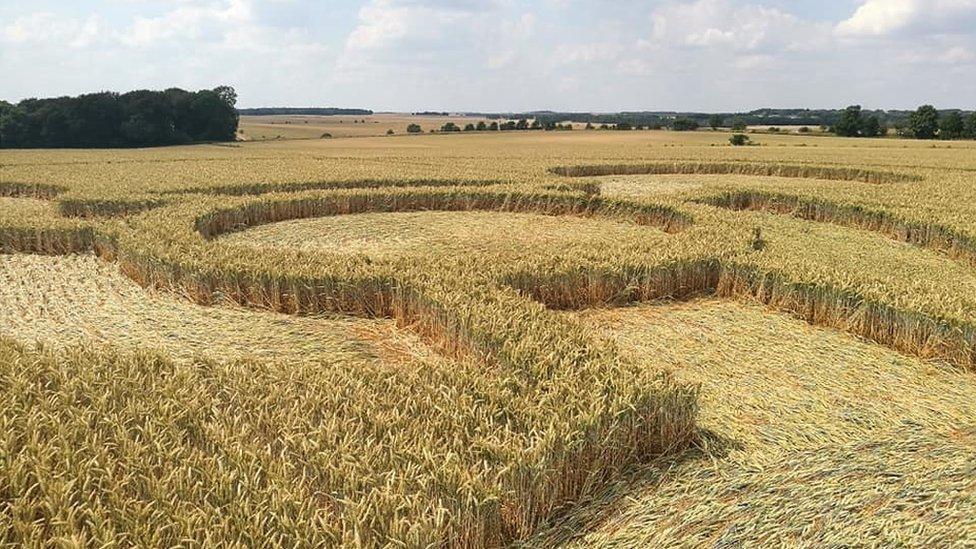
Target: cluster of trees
[[494, 126], [678, 124], [924, 123], [739, 140], [661, 119], [135, 119], [853, 123], [822, 118]]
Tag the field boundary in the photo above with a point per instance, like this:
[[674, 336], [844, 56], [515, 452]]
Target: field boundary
[[735, 168]]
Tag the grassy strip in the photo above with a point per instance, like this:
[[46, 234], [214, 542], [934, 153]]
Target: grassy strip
[[39, 191], [925, 235], [90, 208], [53, 241], [591, 188], [266, 188], [720, 168], [819, 304]]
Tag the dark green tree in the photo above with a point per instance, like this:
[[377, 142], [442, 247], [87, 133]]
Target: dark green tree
[[14, 127], [739, 140], [870, 126], [951, 126], [105, 119], [414, 128], [684, 124], [715, 121], [738, 125], [970, 130], [482, 126], [924, 122], [850, 122]]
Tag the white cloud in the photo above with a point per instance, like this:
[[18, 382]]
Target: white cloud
[[729, 24], [381, 24], [48, 28], [210, 21], [885, 17], [395, 36], [957, 55], [592, 52]]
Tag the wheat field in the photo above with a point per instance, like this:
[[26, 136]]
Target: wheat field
[[622, 339]]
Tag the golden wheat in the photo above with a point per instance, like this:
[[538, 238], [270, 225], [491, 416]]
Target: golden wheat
[[452, 405]]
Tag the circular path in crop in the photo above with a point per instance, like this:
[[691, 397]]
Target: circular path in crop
[[404, 234]]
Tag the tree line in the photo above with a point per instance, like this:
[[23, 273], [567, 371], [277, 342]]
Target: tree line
[[679, 124], [948, 124], [141, 118], [926, 122]]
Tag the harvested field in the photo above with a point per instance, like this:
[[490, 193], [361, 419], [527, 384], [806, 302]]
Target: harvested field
[[810, 437]]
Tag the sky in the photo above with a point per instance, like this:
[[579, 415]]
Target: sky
[[502, 55]]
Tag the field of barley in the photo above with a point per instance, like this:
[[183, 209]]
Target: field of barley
[[538, 339]]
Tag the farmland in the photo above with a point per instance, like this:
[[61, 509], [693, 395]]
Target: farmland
[[584, 338], [266, 127]]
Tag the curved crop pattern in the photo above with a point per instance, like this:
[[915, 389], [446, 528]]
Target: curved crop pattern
[[265, 188], [908, 332], [258, 213], [925, 235], [722, 168]]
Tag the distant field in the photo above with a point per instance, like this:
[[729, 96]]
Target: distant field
[[586, 338], [259, 128]]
